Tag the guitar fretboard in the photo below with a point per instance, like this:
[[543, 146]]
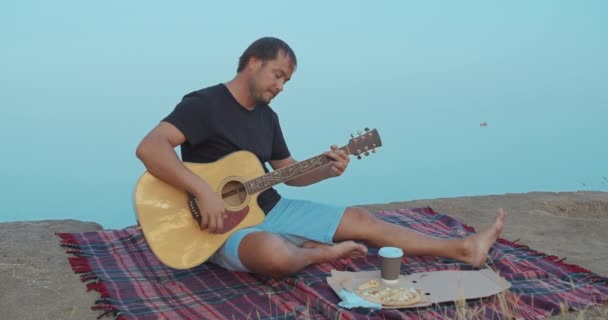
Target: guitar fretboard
[[287, 173]]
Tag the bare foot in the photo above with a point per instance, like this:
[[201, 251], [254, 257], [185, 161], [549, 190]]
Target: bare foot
[[341, 250], [476, 247]]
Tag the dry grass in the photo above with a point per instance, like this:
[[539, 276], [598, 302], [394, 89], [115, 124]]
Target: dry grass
[[507, 305], [508, 302]]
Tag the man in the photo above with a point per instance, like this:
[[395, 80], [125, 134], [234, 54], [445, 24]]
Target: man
[[213, 122]]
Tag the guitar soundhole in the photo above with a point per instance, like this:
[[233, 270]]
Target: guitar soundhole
[[234, 193]]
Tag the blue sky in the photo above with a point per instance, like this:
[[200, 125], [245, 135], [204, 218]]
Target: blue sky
[[82, 83]]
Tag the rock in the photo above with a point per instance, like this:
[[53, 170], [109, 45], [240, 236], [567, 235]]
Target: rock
[[36, 280]]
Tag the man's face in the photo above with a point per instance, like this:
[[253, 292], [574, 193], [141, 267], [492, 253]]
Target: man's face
[[269, 77]]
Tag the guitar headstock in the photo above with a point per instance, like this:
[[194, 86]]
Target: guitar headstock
[[364, 143]]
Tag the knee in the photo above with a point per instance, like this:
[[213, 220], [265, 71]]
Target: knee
[[361, 215], [358, 224], [265, 254]]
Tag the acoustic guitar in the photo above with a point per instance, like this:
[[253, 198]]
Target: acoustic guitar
[[169, 217]]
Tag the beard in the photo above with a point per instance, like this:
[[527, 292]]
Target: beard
[[259, 98], [257, 93]]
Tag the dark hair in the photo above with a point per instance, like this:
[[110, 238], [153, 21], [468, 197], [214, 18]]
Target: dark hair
[[266, 49]]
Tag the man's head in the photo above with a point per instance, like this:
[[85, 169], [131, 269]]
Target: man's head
[[268, 64]]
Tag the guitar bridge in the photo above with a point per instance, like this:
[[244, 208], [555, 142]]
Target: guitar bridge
[[194, 210]]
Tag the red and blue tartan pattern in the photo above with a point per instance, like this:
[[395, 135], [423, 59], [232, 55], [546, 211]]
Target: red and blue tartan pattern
[[133, 284]]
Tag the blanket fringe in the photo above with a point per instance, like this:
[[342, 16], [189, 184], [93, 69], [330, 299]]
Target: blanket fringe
[[99, 287], [67, 239], [87, 276], [80, 265], [109, 312], [555, 259]]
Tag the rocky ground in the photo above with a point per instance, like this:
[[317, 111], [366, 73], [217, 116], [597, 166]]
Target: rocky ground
[[36, 281]]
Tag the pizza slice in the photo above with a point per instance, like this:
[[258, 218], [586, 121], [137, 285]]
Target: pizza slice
[[388, 296]]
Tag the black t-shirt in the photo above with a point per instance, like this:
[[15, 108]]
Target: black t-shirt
[[215, 124]]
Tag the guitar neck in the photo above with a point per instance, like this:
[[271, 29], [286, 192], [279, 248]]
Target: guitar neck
[[287, 173]]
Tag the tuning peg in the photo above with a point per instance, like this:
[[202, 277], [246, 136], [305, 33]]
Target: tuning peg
[[359, 132], [366, 129], [352, 136], [374, 150], [359, 157], [366, 153]]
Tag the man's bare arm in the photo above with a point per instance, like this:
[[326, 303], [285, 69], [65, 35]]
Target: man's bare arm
[[157, 153]]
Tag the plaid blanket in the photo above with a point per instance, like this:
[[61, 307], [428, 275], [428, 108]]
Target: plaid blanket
[[133, 284]]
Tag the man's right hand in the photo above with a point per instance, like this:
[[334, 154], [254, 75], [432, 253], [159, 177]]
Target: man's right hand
[[212, 211]]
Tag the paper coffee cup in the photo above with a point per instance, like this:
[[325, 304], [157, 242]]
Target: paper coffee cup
[[390, 264]]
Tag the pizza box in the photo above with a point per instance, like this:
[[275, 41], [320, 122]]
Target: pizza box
[[435, 287]]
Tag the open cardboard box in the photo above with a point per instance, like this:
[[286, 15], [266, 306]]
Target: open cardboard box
[[436, 286]]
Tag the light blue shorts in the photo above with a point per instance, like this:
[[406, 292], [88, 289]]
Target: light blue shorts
[[296, 221]]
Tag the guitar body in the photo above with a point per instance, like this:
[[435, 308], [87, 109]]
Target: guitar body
[[166, 219], [167, 216]]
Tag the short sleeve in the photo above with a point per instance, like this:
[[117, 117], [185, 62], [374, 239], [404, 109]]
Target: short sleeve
[[279, 146], [191, 117]]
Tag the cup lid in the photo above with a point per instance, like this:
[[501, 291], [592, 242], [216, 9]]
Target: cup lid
[[390, 252]]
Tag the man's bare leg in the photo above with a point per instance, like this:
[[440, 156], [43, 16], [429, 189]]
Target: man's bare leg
[[360, 224], [268, 254]]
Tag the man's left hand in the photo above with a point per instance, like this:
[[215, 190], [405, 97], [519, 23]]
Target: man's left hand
[[339, 161]]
